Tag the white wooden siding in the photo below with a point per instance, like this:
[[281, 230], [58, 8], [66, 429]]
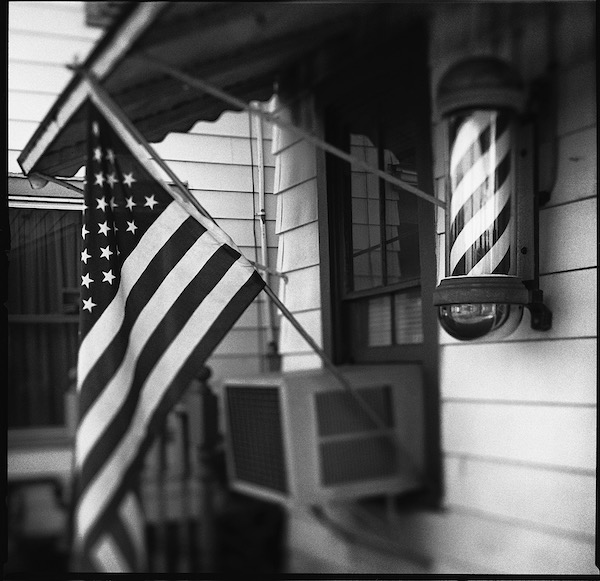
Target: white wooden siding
[[295, 185], [519, 415], [43, 38]]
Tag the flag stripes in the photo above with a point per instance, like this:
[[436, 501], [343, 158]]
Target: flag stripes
[[160, 289], [480, 228]]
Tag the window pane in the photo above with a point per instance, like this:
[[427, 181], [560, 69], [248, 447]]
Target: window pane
[[367, 261], [43, 297], [408, 320], [379, 321]]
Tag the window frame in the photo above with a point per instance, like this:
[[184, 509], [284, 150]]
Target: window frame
[[406, 53], [44, 436], [337, 182]]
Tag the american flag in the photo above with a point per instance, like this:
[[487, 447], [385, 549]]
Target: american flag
[[159, 290]]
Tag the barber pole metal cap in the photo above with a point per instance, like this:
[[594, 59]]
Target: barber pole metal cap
[[482, 82]]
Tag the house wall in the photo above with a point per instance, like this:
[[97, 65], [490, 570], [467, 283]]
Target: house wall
[[518, 415], [296, 187]]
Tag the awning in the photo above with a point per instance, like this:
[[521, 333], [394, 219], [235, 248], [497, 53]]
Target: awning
[[244, 48]]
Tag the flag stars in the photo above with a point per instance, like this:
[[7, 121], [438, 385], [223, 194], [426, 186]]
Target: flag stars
[[106, 252], [88, 304], [85, 256], [84, 231], [110, 155], [128, 179], [96, 128], [131, 227], [98, 154], [101, 204], [113, 204], [130, 203], [108, 276], [103, 228], [112, 179], [99, 179], [150, 202], [86, 280]]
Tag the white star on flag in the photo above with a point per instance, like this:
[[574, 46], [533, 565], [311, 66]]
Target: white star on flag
[[131, 227], [108, 276], [106, 252], [85, 256], [128, 179], [86, 280], [102, 203], [99, 179], [112, 179], [103, 228], [130, 203], [150, 202], [88, 305]]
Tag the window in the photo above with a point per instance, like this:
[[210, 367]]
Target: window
[[381, 236], [43, 297]]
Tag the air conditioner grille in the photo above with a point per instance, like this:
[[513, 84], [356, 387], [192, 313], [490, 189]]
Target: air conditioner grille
[[338, 412], [346, 461], [256, 436]]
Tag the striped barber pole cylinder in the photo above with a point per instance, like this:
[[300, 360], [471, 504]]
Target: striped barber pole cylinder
[[481, 218]]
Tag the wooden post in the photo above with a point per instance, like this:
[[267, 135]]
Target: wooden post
[[207, 478]]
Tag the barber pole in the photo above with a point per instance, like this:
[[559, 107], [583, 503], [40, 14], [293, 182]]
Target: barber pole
[[481, 221]]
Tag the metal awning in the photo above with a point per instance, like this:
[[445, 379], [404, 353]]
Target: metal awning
[[244, 48]]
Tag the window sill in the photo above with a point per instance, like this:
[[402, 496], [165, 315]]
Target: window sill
[[39, 437]]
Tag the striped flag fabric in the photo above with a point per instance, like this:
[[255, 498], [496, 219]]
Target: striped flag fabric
[[159, 291]]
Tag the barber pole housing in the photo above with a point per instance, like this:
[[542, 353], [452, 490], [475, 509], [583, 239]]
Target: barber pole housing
[[489, 229]]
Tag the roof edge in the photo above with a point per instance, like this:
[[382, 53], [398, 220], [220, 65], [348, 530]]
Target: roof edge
[[108, 51]]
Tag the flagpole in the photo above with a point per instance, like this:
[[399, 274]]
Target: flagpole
[[306, 135], [101, 96]]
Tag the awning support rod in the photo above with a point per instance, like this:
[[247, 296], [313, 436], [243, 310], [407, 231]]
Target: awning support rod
[[272, 118]]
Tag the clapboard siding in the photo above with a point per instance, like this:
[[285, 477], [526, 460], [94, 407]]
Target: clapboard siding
[[550, 435], [295, 185], [234, 205], [577, 171], [473, 542], [519, 414], [562, 501], [562, 372], [213, 148], [43, 38], [36, 17], [299, 248], [216, 176], [568, 236], [53, 49]]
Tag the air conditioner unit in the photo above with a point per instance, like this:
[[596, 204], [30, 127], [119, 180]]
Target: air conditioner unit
[[301, 438]]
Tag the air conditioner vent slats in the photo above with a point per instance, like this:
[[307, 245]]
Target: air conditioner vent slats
[[339, 413], [257, 437], [354, 460]]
